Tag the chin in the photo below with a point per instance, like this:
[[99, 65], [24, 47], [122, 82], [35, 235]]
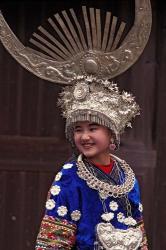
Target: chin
[[89, 154]]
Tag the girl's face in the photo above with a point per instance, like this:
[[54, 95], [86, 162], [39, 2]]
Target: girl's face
[[92, 140]]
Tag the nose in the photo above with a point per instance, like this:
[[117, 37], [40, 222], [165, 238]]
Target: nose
[[85, 136]]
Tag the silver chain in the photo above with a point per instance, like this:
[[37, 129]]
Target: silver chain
[[121, 178], [128, 205], [105, 188]]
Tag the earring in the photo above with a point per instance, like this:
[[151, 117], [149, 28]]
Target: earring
[[112, 145]]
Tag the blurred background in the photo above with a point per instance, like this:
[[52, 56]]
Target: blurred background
[[32, 141]]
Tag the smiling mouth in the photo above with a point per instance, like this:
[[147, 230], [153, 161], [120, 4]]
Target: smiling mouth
[[87, 145]]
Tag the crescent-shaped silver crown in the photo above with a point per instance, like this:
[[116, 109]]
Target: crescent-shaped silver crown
[[93, 52]]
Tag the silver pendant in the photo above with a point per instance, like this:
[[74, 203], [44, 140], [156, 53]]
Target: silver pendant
[[118, 239]]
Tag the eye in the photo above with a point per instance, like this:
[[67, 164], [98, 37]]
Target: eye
[[93, 128], [77, 130]]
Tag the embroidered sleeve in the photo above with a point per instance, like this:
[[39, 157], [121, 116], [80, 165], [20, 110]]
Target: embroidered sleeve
[[144, 243], [55, 234], [58, 227]]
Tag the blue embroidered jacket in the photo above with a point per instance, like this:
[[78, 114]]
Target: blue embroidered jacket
[[73, 210]]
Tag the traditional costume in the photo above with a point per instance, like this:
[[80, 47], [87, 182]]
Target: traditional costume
[[85, 210], [90, 206]]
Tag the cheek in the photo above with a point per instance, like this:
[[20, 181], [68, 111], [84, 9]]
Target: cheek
[[103, 139], [105, 143], [76, 139]]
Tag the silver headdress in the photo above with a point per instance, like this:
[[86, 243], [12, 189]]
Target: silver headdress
[[86, 61], [99, 101]]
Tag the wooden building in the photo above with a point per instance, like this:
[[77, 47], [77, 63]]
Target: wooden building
[[32, 141]]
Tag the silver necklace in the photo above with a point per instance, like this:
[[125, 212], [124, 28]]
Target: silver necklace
[[107, 236], [106, 189]]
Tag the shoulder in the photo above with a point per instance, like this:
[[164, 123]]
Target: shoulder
[[66, 174], [63, 181], [69, 168], [136, 190]]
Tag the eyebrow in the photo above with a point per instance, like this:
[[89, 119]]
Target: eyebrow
[[93, 124]]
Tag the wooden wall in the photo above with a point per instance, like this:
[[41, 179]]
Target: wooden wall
[[32, 142]]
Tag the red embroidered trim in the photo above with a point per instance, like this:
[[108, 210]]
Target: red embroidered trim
[[55, 233]]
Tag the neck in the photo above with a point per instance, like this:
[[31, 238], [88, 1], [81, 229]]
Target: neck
[[103, 159]]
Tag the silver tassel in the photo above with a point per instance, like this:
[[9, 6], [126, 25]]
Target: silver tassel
[[96, 245]]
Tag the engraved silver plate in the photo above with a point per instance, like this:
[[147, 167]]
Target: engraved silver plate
[[118, 239], [93, 53]]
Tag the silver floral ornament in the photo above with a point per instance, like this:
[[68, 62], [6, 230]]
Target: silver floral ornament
[[68, 165], [76, 215], [81, 91], [107, 216], [58, 176], [55, 190], [140, 207], [127, 97], [113, 205], [50, 204], [62, 211], [129, 221], [120, 217]]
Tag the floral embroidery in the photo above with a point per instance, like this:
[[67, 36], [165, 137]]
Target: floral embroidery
[[76, 215], [55, 190], [50, 204], [58, 176], [113, 205], [62, 211], [140, 207], [68, 165], [56, 234]]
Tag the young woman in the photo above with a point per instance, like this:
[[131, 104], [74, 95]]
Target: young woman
[[94, 202]]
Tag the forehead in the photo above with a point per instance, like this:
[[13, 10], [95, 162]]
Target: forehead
[[85, 124]]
